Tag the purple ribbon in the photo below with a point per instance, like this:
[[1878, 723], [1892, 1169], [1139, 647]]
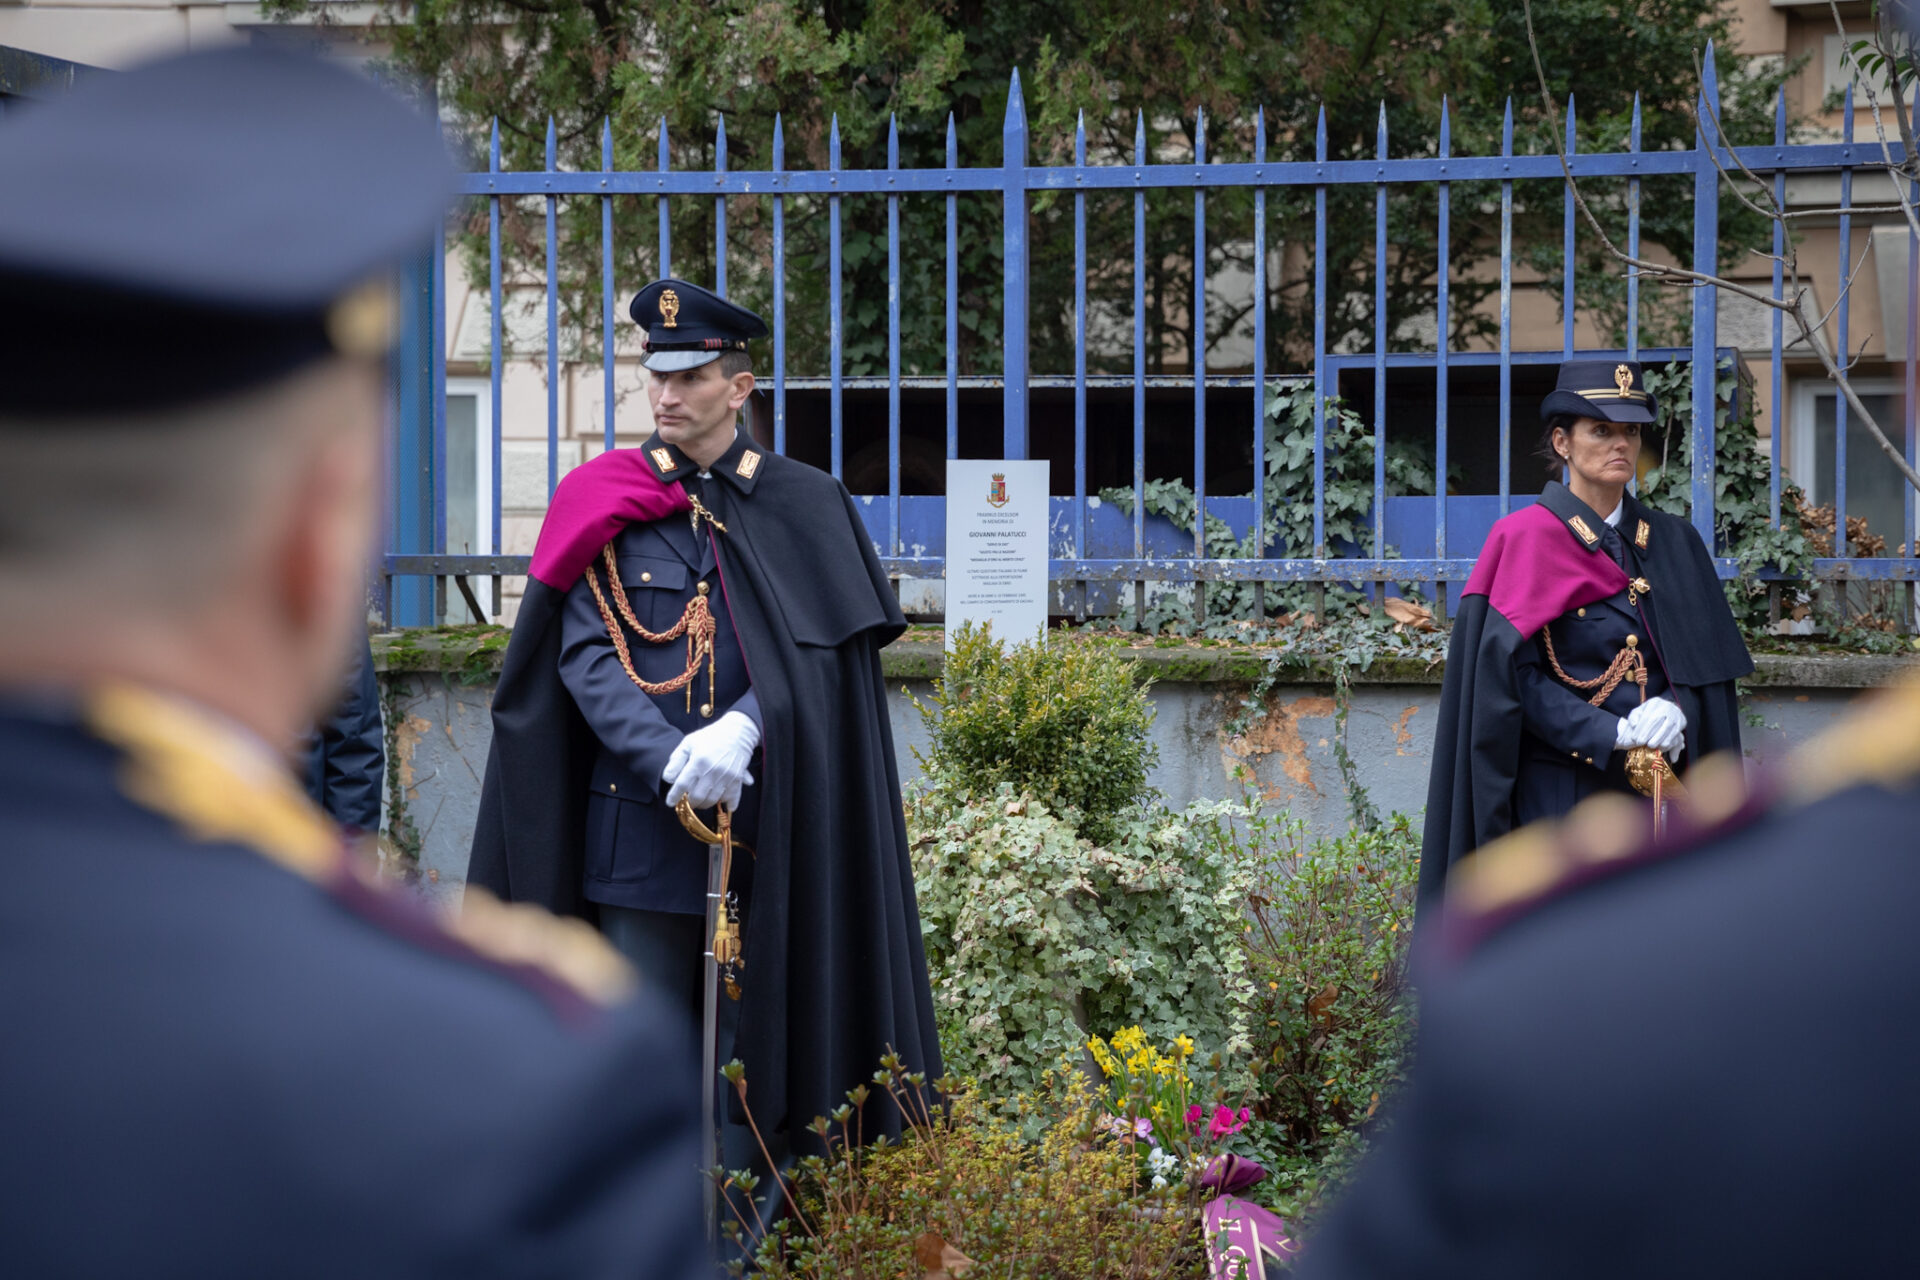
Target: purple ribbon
[[1242, 1237]]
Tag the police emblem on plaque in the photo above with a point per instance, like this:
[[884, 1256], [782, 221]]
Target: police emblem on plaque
[[997, 491]]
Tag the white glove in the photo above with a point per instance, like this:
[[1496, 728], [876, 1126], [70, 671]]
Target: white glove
[[1656, 723], [709, 766]]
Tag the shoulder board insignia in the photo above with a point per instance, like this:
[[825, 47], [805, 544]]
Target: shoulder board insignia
[[1641, 533], [218, 787], [1604, 835], [570, 952], [1879, 742], [663, 459], [749, 463], [214, 784], [1579, 525]]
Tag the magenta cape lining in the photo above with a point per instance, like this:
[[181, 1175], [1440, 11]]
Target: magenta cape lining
[[593, 503], [1533, 569]]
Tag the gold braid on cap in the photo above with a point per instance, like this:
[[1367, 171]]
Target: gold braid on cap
[[696, 624]]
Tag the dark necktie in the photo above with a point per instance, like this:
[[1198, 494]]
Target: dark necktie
[[1611, 543]]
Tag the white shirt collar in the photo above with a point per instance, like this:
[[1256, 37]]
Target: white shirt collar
[[1619, 509]]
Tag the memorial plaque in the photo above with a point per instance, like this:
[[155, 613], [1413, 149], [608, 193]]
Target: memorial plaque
[[997, 547]]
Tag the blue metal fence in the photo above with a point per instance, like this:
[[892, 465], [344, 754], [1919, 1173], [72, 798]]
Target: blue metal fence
[[1436, 535]]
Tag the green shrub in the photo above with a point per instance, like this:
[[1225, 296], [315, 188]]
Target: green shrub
[[1067, 726], [1069, 1204], [1333, 1014], [1034, 933]]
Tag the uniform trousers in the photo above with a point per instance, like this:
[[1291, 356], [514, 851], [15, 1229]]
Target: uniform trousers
[[669, 951]]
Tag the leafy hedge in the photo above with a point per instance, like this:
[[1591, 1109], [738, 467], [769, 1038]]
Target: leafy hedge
[[1034, 933]]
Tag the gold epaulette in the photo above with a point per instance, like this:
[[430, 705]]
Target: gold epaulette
[[571, 952], [1876, 741], [218, 785], [1879, 742], [211, 780]]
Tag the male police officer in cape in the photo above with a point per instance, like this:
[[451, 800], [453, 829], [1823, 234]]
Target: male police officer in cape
[[703, 623], [1677, 1057], [229, 1049]]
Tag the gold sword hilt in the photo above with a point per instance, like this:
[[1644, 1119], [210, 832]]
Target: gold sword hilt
[[726, 930]]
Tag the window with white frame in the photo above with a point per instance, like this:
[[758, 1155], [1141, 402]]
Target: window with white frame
[[1876, 490], [470, 487]]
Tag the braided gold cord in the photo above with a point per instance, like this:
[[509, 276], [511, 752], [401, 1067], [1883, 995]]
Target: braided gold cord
[[696, 624], [1629, 663], [679, 628]]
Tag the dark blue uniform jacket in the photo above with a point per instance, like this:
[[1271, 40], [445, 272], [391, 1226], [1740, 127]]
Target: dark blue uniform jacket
[[348, 759], [637, 853], [214, 1066]]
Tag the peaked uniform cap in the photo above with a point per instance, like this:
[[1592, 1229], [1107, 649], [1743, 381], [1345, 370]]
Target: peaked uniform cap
[[688, 326], [217, 210], [1611, 390]]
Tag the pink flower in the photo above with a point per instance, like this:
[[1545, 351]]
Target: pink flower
[[1143, 1128], [1195, 1115], [1226, 1120]]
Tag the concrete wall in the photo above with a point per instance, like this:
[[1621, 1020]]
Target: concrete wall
[[439, 729]]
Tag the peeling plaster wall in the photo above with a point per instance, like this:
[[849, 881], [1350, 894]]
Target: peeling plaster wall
[[441, 730]]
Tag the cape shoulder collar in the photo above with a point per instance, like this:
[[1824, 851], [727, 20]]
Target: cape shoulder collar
[[740, 464], [1637, 523], [1581, 520]]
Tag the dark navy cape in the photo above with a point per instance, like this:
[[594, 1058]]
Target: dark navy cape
[[1534, 568], [834, 969]]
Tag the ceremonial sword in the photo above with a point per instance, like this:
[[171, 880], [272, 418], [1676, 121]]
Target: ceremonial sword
[[723, 951]]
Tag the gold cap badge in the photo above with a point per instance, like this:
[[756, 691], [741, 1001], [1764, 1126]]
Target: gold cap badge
[[364, 320], [670, 308], [1623, 379]]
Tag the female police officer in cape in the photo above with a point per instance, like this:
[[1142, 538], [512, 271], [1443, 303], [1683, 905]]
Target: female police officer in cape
[[1592, 625]]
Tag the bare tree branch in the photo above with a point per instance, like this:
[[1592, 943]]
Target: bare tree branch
[[1873, 101], [1814, 335]]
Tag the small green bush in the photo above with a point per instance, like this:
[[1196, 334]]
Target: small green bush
[[1070, 1203], [1333, 1016], [1067, 726], [1034, 933]]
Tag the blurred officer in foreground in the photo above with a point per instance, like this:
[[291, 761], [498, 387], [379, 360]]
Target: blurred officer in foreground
[[1690, 1057], [225, 1050]]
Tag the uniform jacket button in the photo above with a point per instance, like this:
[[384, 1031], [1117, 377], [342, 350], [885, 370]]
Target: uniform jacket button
[[613, 787], [646, 577]]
